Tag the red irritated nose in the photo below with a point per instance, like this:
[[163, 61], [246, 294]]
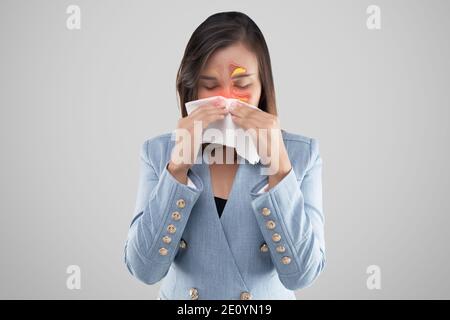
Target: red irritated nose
[[234, 95]]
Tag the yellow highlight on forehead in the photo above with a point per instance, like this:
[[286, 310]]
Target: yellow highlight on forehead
[[238, 70]]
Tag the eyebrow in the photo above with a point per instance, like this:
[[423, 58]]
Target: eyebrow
[[204, 77]]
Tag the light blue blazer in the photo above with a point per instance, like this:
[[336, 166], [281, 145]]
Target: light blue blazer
[[264, 246]]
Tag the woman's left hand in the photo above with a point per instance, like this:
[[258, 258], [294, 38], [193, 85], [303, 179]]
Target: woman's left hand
[[266, 133]]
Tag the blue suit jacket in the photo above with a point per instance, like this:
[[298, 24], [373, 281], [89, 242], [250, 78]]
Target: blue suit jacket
[[262, 247]]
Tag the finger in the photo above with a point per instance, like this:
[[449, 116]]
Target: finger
[[249, 106], [240, 110], [216, 102], [214, 111], [239, 121], [197, 111], [245, 104], [207, 109], [213, 118], [219, 101], [246, 123]]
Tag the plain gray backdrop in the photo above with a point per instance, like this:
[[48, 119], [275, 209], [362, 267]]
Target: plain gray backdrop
[[76, 105]]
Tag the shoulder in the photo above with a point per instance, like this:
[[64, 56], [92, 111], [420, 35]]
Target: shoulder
[[302, 150], [157, 142], [155, 150]]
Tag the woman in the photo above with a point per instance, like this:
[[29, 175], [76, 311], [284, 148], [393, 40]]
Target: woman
[[224, 231]]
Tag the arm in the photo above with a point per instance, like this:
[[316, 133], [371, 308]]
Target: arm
[[291, 220], [162, 210]]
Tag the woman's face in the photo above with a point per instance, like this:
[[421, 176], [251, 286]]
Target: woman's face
[[231, 72]]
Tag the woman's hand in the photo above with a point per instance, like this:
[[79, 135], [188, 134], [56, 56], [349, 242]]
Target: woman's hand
[[187, 145], [264, 128]]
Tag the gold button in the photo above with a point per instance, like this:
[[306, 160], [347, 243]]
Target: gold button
[[276, 237], [246, 295], [265, 211], [167, 239], [281, 249], [183, 244], [163, 251], [176, 215], [270, 224], [171, 228], [264, 247], [286, 260], [193, 292], [181, 203]]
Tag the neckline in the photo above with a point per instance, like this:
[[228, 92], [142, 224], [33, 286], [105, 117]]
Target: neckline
[[220, 198], [232, 190]]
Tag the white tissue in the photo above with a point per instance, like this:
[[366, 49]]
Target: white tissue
[[230, 136]]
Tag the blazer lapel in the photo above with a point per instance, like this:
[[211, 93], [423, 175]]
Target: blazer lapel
[[237, 222], [208, 215]]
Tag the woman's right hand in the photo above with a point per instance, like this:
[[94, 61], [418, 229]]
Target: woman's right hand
[[183, 158]]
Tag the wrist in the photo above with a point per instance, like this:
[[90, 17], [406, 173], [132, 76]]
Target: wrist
[[178, 169]]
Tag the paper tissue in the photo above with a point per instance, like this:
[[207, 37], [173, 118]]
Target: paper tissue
[[231, 134]]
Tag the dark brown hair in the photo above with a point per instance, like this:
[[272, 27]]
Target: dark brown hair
[[219, 31]]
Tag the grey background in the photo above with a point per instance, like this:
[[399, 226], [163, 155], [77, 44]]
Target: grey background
[[77, 105]]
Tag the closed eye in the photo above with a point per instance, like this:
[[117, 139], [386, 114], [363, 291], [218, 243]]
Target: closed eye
[[243, 87]]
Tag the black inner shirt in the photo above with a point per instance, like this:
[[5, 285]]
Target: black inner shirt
[[220, 204]]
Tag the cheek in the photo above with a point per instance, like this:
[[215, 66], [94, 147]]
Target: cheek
[[255, 95], [243, 95], [250, 96]]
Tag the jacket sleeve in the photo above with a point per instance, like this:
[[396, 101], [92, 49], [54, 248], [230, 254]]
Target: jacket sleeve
[[291, 219], [163, 207]]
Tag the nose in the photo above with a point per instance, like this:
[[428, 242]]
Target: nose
[[226, 93], [229, 94]]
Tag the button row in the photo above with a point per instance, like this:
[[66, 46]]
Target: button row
[[265, 248], [172, 229], [194, 294], [276, 237]]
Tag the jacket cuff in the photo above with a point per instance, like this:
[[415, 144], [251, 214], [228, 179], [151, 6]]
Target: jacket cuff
[[177, 200], [273, 211]]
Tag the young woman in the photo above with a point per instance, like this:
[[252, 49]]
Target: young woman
[[225, 231]]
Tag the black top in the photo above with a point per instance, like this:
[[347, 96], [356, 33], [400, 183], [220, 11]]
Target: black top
[[220, 204]]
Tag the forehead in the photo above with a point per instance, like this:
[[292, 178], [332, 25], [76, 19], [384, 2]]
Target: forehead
[[237, 55]]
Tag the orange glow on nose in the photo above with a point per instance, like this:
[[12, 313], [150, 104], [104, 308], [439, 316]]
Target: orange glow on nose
[[245, 97]]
